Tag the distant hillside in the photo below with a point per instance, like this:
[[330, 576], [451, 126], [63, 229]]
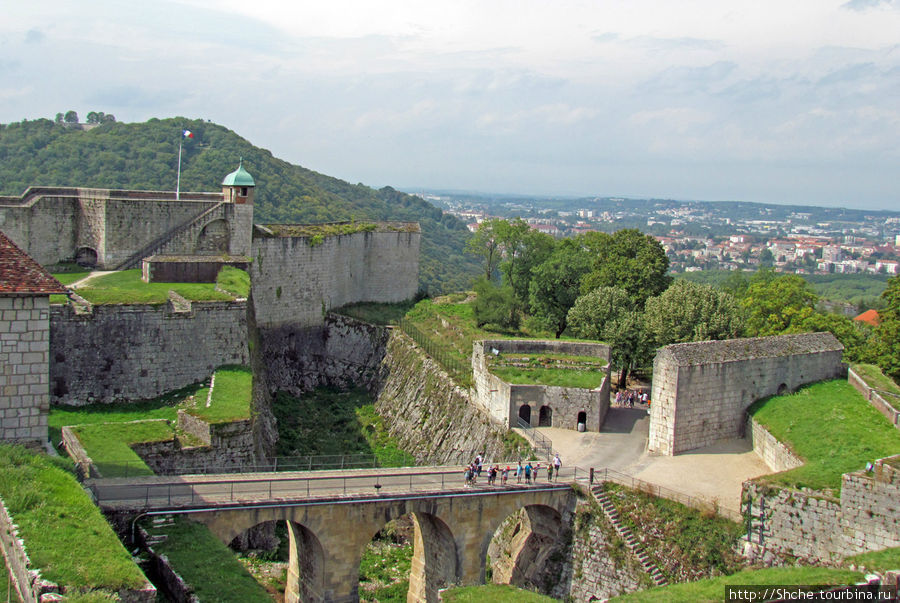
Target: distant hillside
[[145, 156]]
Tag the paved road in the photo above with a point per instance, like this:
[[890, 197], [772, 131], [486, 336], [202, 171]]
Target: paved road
[[217, 490]]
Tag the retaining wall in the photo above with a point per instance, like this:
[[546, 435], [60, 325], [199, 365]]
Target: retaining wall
[[503, 400], [881, 403], [136, 352], [774, 454]]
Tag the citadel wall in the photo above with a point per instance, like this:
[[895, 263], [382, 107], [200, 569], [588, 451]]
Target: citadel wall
[[136, 352], [701, 390]]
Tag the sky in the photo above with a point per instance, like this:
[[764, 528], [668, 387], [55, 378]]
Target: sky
[[777, 102]]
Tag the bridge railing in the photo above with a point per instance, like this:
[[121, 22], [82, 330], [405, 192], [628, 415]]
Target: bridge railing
[[695, 502], [155, 492], [134, 468]]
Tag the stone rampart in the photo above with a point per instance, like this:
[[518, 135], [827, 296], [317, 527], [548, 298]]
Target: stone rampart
[[880, 402], [136, 352], [773, 453], [231, 447], [24, 359], [701, 390], [550, 406], [298, 279], [817, 527]]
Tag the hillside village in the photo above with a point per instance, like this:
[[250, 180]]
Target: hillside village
[[247, 327]]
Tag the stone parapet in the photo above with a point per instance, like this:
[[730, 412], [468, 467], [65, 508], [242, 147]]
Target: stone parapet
[[876, 399], [777, 456]]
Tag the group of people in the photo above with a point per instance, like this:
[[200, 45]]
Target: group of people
[[629, 397], [531, 473]]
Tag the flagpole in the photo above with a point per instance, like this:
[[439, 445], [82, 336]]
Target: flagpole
[[178, 179]]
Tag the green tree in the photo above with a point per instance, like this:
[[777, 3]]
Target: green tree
[[71, 117], [523, 250], [495, 305], [855, 335], [888, 330], [773, 305], [486, 244], [611, 315], [689, 311], [627, 259], [766, 258], [555, 284]]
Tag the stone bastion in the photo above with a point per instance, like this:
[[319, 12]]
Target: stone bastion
[[540, 405]]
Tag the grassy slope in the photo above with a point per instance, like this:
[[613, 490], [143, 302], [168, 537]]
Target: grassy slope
[[873, 376], [492, 593], [230, 398], [81, 550], [234, 280], [713, 589], [109, 445], [879, 561], [857, 433], [126, 287], [550, 376]]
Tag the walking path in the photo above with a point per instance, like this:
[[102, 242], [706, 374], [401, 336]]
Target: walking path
[[715, 473], [94, 274]]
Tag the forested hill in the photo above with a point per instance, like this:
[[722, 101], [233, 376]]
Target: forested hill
[[145, 156]]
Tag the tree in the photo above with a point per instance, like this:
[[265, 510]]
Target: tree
[[495, 305], [766, 258], [888, 330], [629, 260], [610, 315], [523, 250], [486, 243], [71, 117], [689, 311], [59, 118], [774, 304], [856, 336], [555, 284]]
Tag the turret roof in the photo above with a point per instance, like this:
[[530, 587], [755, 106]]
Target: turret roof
[[239, 177]]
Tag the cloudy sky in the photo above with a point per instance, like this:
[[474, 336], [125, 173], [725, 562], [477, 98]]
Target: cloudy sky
[[786, 102]]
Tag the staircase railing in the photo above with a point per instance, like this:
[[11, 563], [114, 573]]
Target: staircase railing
[[541, 443]]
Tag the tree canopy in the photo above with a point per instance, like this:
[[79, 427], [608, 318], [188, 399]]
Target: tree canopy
[[689, 311], [628, 259], [555, 284]]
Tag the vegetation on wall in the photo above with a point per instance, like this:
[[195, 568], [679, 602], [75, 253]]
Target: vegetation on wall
[[144, 156]]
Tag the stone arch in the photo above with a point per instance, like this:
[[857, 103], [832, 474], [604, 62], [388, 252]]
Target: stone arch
[[523, 544], [525, 413], [86, 257], [582, 419], [782, 389], [435, 562], [214, 238], [306, 569], [545, 416]]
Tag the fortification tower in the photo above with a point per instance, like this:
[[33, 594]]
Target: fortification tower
[[237, 189]]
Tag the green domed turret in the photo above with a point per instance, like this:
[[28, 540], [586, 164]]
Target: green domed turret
[[239, 177], [237, 187]]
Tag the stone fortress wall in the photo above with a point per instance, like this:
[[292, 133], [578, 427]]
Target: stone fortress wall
[[505, 401], [701, 390], [136, 352], [60, 224], [24, 356]]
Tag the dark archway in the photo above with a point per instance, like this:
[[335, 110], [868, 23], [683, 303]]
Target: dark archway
[[214, 239], [522, 550], [581, 420], [525, 413], [782, 389], [86, 257], [545, 417]]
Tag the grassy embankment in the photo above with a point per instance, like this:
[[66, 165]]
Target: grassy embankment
[[873, 376], [857, 433], [81, 552], [876, 561], [493, 593], [108, 431], [126, 287], [548, 369]]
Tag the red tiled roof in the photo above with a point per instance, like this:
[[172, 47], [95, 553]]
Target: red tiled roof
[[869, 316], [19, 273]]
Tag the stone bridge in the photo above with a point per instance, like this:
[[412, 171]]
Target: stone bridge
[[332, 517]]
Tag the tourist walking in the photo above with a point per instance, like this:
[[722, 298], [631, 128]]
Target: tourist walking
[[557, 463], [519, 471], [504, 475], [527, 474]]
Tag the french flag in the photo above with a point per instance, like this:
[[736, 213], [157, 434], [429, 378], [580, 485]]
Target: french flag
[[187, 134]]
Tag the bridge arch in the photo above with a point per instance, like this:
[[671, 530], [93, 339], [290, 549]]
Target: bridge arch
[[523, 543], [214, 238]]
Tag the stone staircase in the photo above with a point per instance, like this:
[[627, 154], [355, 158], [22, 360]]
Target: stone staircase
[[625, 534]]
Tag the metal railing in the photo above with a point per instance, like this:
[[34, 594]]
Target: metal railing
[[695, 502], [541, 443], [134, 468], [461, 372], [151, 493]]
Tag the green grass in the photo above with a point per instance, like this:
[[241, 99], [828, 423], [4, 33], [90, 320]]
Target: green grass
[[384, 571], [230, 399], [879, 561], [493, 593], [857, 433], [685, 543], [550, 376], [108, 445], [234, 280], [873, 376], [376, 313], [81, 550], [67, 278], [713, 589], [210, 567], [329, 422], [126, 287]]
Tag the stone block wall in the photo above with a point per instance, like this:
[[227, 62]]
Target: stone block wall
[[24, 368], [774, 454], [231, 447], [296, 280], [886, 407], [701, 390], [503, 400], [137, 352], [817, 527]]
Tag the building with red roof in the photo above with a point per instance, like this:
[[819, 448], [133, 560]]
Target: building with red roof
[[869, 317], [25, 289]]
